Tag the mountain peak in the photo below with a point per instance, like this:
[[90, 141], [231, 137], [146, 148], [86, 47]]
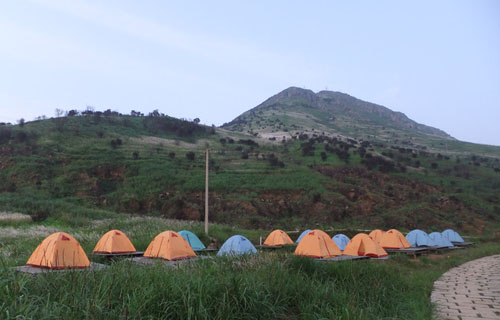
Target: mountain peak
[[293, 93], [336, 113]]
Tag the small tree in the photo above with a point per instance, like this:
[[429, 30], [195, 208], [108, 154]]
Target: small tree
[[116, 142], [72, 113], [190, 155], [196, 120], [323, 156], [171, 155], [21, 122]]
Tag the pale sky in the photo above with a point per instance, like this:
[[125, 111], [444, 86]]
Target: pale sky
[[436, 61]]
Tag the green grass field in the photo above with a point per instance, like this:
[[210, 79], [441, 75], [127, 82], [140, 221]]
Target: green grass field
[[271, 284], [143, 175]]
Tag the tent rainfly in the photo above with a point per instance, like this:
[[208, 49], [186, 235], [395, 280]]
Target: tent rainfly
[[114, 241], [192, 239], [393, 239], [278, 238], [316, 245], [302, 235], [59, 251], [376, 235], [341, 240], [235, 246], [169, 245], [452, 235], [362, 245], [419, 238], [440, 241]]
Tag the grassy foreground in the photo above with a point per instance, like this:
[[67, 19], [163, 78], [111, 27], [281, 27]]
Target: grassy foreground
[[270, 285]]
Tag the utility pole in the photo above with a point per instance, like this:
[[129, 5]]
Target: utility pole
[[206, 193]]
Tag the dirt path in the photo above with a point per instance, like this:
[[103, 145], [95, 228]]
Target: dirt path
[[470, 291]]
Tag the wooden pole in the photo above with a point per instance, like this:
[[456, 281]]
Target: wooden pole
[[206, 194]]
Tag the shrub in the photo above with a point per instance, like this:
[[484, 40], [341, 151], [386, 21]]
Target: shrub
[[248, 142], [307, 149], [5, 135], [274, 161], [116, 142]]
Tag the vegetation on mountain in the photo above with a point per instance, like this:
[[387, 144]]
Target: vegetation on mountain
[[292, 163], [92, 163]]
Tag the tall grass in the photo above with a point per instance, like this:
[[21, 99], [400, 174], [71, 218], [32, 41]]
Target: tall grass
[[266, 286], [258, 287], [270, 285]]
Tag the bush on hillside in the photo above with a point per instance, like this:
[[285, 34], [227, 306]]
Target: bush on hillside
[[275, 162], [248, 142], [157, 123], [307, 149], [5, 135], [115, 143]]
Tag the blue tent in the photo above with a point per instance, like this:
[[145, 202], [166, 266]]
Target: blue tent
[[192, 239], [440, 241], [302, 235], [419, 238], [236, 245], [341, 240], [452, 235]]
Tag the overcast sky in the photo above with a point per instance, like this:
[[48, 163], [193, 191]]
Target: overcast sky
[[436, 61]]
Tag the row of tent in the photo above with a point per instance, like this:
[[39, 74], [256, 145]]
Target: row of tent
[[60, 250], [419, 238], [415, 238]]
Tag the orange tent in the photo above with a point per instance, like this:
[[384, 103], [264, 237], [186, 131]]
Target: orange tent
[[376, 235], [393, 239], [316, 245], [278, 238], [321, 232], [114, 241], [363, 245], [59, 251], [169, 245]]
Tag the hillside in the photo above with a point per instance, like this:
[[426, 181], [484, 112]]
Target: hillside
[[296, 111], [94, 164]]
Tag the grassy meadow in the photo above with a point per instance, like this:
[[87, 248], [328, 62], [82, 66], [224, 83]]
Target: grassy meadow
[[269, 285], [98, 171]]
